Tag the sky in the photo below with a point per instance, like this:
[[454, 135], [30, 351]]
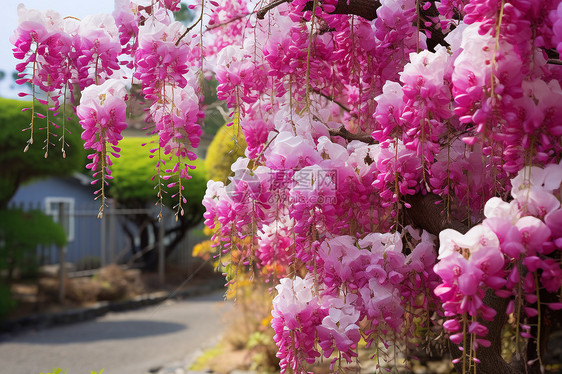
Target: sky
[[8, 24]]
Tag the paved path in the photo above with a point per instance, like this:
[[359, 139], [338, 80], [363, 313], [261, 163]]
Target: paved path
[[121, 343]]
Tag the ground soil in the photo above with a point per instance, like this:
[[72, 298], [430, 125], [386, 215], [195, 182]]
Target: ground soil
[[40, 295]]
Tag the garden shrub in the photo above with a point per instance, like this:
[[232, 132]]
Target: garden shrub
[[20, 234], [227, 145]]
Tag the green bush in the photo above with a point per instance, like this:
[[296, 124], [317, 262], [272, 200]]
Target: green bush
[[17, 167], [227, 146], [7, 302], [132, 172], [20, 234]]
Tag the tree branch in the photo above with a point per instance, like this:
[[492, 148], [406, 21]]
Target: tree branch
[[331, 99], [368, 9], [362, 8], [200, 19], [234, 19], [427, 213], [344, 133], [263, 11]]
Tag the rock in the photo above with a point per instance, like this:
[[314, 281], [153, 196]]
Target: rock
[[52, 271], [113, 283], [83, 290], [173, 369]]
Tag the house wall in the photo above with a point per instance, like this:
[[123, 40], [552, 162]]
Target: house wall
[[93, 241], [85, 240]]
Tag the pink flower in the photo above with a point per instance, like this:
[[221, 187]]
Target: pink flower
[[44, 47], [554, 222], [556, 19], [423, 255], [287, 151], [387, 113], [158, 59], [97, 48], [340, 327], [127, 18], [478, 238], [102, 114], [509, 236], [296, 315], [534, 233], [533, 189], [256, 133], [241, 78], [497, 208], [551, 277], [276, 244]]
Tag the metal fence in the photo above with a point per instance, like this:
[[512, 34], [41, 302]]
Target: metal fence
[[114, 239]]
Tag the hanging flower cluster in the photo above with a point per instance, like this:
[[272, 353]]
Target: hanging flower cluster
[[352, 114], [296, 314], [455, 122], [226, 24], [102, 114], [126, 15], [162, 67], [241, 81], [43, 45], [96, 49], [508, 252], [366, 279], [59, 54]]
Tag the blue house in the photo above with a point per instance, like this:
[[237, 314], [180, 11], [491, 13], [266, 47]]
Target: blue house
[[92, 242], [70, 200]]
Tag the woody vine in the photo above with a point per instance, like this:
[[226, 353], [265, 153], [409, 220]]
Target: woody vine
[[403, 166]]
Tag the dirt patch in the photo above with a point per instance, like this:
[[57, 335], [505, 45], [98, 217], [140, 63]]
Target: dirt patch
[[111, 283]]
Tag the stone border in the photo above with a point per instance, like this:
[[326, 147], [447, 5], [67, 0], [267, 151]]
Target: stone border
[[46, 320]]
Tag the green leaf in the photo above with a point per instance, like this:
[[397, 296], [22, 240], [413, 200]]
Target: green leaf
[[15, 226], [132, 173], [19, 167]]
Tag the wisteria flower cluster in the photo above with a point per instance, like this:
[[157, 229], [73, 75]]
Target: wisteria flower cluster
[[94, 55], [102, 115], [403, 163], [509, 252], [446, 121], [369, 279]]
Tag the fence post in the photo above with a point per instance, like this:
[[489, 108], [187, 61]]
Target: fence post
[[102, 240], [112, 222], [62, 250], [161, 253]]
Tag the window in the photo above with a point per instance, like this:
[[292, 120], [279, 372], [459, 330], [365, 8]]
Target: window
[[61, 209]]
